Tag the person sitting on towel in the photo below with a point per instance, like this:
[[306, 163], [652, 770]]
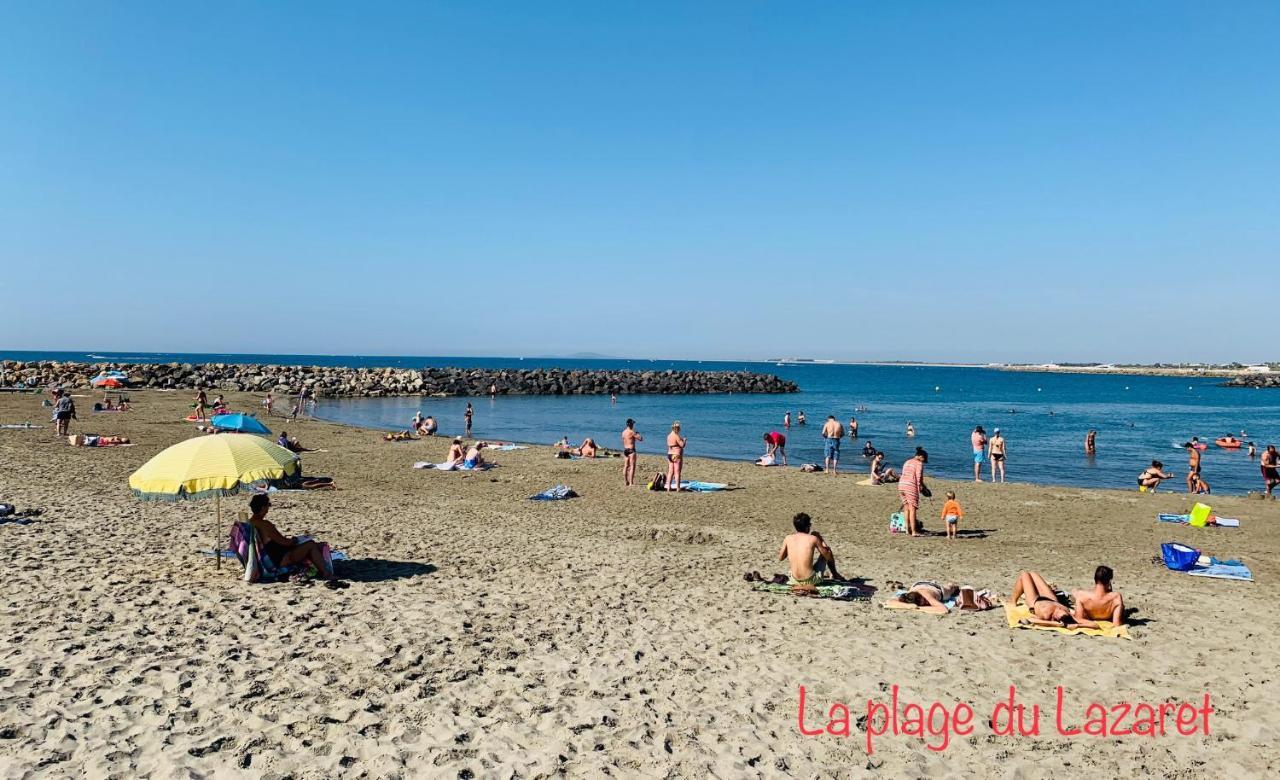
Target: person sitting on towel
[[474, 458], [1100, 603], [799, 549], [283, 550], [880, 474], [588, 448], [455, 451], [1046, 610]]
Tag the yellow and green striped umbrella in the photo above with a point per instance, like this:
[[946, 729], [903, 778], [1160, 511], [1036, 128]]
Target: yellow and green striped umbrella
[[214, 465]]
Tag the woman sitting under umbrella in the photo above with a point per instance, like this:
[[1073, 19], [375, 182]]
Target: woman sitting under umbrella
[[283, 551]]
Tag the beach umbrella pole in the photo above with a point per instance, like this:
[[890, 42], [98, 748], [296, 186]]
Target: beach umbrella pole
[[217, 545]]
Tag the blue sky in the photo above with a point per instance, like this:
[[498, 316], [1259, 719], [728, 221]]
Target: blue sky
[[955, 181]]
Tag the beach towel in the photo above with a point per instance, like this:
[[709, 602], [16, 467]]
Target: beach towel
[[557, 493], [1209, 566], [450, 466], [20, 426], [508, 447], [1016, 612], [702, 487], [1220, 522], [835, 591]]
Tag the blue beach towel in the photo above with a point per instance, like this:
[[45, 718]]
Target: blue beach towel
[[1220, 522], [702, 487], [1221, 570], [557, 493]]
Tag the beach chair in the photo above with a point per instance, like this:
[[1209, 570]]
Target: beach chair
[[258, 567]]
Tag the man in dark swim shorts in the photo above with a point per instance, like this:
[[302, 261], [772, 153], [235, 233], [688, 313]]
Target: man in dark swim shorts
[[629, 439]]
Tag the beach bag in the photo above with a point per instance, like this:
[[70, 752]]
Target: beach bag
[[897, 523], [1179, 557], [1200, 515]]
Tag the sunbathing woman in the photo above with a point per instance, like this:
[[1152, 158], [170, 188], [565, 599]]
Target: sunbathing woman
[[1046, 610], [284, 551], [927, 596]]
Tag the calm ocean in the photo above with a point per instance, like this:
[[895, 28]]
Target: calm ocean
[[1044, 417]]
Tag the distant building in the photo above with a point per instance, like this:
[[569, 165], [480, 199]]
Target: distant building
[[1261, 368]]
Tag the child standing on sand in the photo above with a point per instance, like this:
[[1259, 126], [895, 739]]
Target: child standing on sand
[[951, 514]]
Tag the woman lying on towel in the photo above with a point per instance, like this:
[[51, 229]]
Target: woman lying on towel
[[400, 436], [284, 551], [1045, 607], [926, 596]]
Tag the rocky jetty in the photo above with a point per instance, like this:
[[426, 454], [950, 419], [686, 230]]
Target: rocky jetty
[[1254, 380], [337, 382]]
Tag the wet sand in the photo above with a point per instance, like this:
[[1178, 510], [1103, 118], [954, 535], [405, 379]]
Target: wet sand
[[484, 635]]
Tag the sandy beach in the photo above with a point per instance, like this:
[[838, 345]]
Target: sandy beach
[[484, 635]]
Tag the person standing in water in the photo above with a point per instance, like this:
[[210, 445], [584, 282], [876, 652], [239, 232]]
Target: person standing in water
[[1193, 470], [629, 439], [853, 427], [911, 430], [1270, 468], [675, 456], [786, 420], [466, 418], [1091, 442], [996, 450], [979, 440], [800, 418]]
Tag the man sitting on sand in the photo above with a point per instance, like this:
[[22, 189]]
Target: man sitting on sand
[[799, 548], [588, 448], [283, 551], [1100, 603]]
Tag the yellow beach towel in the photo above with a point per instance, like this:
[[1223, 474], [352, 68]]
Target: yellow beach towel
[[1014, 613]]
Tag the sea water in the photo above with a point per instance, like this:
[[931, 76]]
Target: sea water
[[1043, 416]]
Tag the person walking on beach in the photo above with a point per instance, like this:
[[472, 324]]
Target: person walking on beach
[[267, 403], [1270, 468], [675, 456], [979, 440], [1091, 442], [466, 417], [629, 439], [64, 411], [201, 401], [911, 486], [832, 433], [996, 450]]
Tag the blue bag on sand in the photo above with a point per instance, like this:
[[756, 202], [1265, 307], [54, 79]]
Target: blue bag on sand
[[1179, 557]]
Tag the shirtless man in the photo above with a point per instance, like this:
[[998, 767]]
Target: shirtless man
[[1193, 462], [996, 449], [798, 549], [1100, 603], [588, 448], [1152, 476], [853, 427], [832, 433], [675, 456], [284, 551], [629, 439], [1091, 442]]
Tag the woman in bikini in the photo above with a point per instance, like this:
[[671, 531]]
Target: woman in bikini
[[879, 474], [1046, 610], [1152, 476]]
